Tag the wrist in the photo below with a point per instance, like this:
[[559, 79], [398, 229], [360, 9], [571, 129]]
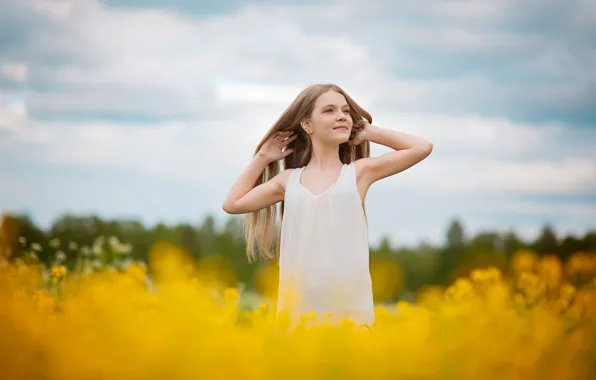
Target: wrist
[[369, 133], [261, 159]]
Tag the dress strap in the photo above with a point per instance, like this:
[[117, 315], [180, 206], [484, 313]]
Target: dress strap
[[293, 179], [295, 175]]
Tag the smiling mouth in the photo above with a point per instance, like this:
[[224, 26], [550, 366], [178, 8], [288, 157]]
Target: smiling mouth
[[346, 128]]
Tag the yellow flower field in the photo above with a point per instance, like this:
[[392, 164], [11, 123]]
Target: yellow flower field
[[111, 323]]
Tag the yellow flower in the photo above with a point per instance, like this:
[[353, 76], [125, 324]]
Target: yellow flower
[[464, 287], [231, 295], [263, 308], [478, 275], [532, 286], [524, 260], [550, 270], [186, 319], [403, 307], [493, 274], [58, 272], [136, 271], [566, 291]]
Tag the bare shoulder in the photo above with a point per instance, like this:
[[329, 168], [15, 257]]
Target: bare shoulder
[[282, 178]]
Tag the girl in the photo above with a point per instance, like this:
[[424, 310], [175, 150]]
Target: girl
[[323, 139]]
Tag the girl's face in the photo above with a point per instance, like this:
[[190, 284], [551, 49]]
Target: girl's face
[[330, 121]]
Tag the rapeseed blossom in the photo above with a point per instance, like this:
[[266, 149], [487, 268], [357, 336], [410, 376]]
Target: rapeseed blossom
[[164, 321]]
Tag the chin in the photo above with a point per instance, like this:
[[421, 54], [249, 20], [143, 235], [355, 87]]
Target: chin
[[340, 138], [342, 141]]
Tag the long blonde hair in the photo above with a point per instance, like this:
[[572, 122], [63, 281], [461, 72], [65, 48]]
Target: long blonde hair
[[259, 227]]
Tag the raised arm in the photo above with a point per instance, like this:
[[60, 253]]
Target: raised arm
[[409, 150], [244, 196]]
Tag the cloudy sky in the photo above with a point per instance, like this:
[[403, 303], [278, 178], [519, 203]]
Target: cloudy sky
[[150, 109]]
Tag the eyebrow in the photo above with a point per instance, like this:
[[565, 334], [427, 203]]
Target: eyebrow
[[333, 105]]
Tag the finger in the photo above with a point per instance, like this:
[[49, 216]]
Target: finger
[[290, 139], [283, 134]]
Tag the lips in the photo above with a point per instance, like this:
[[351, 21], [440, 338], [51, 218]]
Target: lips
[[341, 127]]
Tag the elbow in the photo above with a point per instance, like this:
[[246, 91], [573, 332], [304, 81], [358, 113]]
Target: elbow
[[426, 148], [429, 147], [229, 209]]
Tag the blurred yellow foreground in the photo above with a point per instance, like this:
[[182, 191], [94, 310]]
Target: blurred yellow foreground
[[174, 324]]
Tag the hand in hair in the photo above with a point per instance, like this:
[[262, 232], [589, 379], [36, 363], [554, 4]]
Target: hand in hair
[[359, 132], [272, 149]]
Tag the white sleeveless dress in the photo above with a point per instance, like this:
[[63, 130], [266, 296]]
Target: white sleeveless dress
[[324, 252]]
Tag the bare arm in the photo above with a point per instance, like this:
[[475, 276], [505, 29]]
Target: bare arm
[[244, 197], [409, 150]]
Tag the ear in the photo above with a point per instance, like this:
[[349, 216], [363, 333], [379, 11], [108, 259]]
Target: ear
[[305, 126]]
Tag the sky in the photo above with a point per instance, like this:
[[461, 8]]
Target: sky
[[151, 109]]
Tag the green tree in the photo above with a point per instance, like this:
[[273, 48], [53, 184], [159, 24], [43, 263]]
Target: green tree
[[511, 243], [570, 245], [589, 241], [546, 243], [452, 253]]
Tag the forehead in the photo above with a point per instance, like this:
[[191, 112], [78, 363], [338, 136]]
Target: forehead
[[331, 97]]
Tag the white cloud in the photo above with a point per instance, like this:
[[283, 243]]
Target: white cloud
[[584, 15], [13, 113], [14, 71], [568, 209], [54, 8], [496, 155], [169, 149], [470, 153], [121, 62], [572, 176], [215, 85], [256, 93], [475, 136]]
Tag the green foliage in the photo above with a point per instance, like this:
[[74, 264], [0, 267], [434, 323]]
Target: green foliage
[[207, 243]]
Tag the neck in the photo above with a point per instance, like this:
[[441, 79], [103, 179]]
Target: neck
[[324, 156]]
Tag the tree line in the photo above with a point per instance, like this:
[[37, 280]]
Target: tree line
[[394, 270]]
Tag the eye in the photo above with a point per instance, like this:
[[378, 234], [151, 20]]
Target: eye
[[348, 111]]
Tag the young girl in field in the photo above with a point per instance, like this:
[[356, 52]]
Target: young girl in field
[[323, 138]]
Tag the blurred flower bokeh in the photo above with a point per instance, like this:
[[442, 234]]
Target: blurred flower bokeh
[[179, 318]]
